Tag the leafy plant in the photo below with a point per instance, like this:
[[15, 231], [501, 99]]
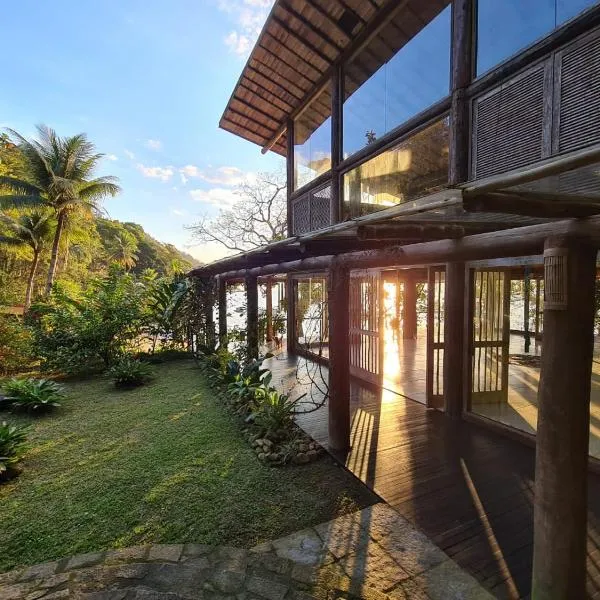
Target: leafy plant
[[33, 395], [12, 446], [16, 345], [129, 372], [274, 415]]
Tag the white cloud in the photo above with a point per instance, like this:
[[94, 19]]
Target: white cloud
[[222, 176], [219, 197], [162, 173], [178, 212], [129, 154], [248, 17], [112, 157], [153, 144]]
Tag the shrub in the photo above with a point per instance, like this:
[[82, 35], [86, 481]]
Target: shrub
[[12, 447], [274, 415], [16, 345], [33, 395], [128, 372]]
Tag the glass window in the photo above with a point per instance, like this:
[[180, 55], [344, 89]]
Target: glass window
[[312, 140], [508, 26], [414, 167], [312, 324], [414, 78]]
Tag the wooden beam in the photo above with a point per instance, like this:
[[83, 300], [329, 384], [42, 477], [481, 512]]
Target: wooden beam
[[290, 174], [406, 232], [561, 467], [338, 305], [519, 241], [252, 315], [269, 308], [409, 309], [222, 299], [337, 144], [290, 295], [518, 204]]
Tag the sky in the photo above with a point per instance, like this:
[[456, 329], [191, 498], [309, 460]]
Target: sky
[[147, 80]]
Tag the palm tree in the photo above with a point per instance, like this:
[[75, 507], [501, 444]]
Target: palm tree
[[32, 230], [59, 174], [124, 251]]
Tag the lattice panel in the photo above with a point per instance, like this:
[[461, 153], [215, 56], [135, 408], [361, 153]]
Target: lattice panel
[[578, 81], [508, 125], [555, 279], [320, 208], [301, 215]]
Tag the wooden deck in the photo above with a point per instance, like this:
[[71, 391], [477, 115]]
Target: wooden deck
[[469, 489]]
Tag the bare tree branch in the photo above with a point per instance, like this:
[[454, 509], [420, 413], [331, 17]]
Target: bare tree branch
[[257, 218]]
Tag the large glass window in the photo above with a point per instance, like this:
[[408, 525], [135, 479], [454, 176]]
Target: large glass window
[[312, 140], [414, 78], [414, 167], [507, 26]]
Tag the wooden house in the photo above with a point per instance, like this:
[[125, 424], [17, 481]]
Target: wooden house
[[443, 170]]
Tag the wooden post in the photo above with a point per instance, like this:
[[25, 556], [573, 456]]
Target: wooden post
[[209, 314], [222, 294], [461, 75], [560, 508], [337, 112], [454, 338], [338, 306], [537, 308], [409, 309], [290, 294], [291, 175], [526, 297], [269, 292], [252, 316]]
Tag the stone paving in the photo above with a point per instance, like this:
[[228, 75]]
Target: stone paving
[[373, 554]]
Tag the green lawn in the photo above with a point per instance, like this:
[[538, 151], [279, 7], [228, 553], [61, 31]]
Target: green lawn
[[164, 463]]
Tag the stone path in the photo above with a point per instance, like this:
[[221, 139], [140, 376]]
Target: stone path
[[373, 554]]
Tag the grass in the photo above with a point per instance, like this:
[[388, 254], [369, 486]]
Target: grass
[[163, 463]]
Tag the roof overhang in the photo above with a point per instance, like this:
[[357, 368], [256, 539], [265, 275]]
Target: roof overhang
[[527, 196], [299, 46]]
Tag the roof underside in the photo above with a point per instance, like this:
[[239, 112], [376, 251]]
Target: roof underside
[[300, 42]]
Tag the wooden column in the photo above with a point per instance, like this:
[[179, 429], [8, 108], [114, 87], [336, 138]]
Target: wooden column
[[409, 309], [290, 174], [338, 305], [252, 315], [222, 299], [337, 103], [454, 338], [209, 312], [526, 298], [269, 293], [290, 294], [461, 75], [537, 308], [560, 509]]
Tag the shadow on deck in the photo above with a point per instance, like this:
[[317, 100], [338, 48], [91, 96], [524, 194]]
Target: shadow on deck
[[468, 489]]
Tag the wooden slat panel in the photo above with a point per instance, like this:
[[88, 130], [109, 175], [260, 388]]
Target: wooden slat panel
[[508, 124]]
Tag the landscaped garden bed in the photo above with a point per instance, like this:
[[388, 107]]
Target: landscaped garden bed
[[162, 463]]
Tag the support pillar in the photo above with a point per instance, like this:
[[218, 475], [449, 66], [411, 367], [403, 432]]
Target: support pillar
[[537, 308], [526, 298], [222, 299], [269, 292], [454, 337], [252, 316], [338, 306], [209, 314], [409, 309], [560, 509], [290, 294]]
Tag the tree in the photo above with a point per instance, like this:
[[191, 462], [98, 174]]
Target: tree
[[32, 230], [123, 250], [257, 218], [58, 174]]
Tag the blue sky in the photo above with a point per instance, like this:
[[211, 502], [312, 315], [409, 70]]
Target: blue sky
[[148, 81]]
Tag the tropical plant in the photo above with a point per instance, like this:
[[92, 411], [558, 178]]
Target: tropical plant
[[16, 345], [129, 372], [12, 447], [31, 230], [80, 333], [165, 300], [274, 415], [123, 250], [33, 395], [59, 175]]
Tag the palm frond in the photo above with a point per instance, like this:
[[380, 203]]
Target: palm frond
[[19, 186], [19, 201]]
